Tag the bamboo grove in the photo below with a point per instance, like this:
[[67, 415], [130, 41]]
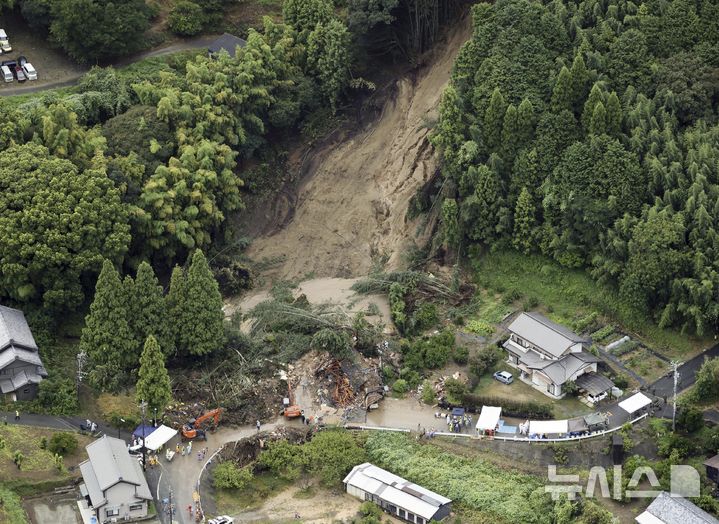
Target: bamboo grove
[[588, 132]]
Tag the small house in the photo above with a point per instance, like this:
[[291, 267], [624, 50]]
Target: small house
[[395, 495], [547, 354], [228, 42], [21, 369], [114, 487], [673, 509], [712, 467]]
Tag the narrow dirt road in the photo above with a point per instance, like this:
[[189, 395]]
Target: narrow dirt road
[[351, 207]]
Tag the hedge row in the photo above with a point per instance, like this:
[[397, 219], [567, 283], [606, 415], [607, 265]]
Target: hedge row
[[511, 408]]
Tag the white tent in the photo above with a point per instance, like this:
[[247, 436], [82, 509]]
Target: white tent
[[488, 418], [635, 403], [543, 427], [159, 437]]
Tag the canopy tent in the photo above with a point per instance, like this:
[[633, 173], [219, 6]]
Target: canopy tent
[[594, 384], [635, 403], [595, 419], [458, 412], [143, 431], [159, 437], [542, 427], [488, 418]]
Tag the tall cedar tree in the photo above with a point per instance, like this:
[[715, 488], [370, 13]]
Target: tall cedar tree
[[598, 124], [451, 225], [153, 382], [481, 211], [562, 95], [580, 81], [200, 327], [493, 121], [524, 220], [614, 114], [106, 337], [510, 134], [525, 122], [595, 96], [174, 302], [149, 309]]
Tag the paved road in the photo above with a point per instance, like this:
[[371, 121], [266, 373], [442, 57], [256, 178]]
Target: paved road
[[66, 423], [664, 386], [31, 87]]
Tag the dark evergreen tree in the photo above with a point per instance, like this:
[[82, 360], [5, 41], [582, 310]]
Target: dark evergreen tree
[[153, 382], [493, 122], [526, 121], [598, 124], [524, 222], [201, 329], [614, 115], [510, 134], [596, 95], [106, 338], [175, 304], [481, 211], [563, 93], [149, 309]]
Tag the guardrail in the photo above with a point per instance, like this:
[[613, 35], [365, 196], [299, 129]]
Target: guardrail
[[594, 434]]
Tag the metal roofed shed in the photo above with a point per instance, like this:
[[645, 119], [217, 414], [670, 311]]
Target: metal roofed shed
[[635, 403], [668, 509], [596, 421], [228, 42], [395, 495], [488, 418], [594, 384], [548, 427]]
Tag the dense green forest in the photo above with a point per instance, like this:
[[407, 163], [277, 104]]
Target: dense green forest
[[588, 132]]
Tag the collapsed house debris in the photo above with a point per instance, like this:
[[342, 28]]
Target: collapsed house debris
[[439, 384]]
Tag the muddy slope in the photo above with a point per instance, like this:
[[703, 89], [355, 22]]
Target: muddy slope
[[351, 206]]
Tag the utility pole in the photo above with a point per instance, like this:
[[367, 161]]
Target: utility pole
[[81, 359], [143, 406], [170, 504], [675, 368]]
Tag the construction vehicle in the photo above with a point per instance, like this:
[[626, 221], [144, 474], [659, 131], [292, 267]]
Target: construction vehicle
[[196, 428], [289, 408]]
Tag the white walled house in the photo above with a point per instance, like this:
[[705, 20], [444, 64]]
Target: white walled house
[[547, 354], [395, 495], [114, 485], [21, 369]]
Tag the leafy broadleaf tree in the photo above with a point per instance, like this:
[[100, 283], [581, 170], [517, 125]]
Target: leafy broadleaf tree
[[57, 225], [93, 30], [200, 325], [153, 382], [106, 337], [328, 58]]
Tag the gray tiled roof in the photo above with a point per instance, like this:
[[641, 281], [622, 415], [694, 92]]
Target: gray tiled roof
[[97, 499], [19, 380], [112, 463], [677, 510], [12, 353], [14, 329], [543, 333], [560, 370], [227, 42]]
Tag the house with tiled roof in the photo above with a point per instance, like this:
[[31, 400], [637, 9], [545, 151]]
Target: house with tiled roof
[[21, 369], [548, 355], [673, 509]]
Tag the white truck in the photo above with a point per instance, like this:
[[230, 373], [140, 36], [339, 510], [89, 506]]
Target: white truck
[[5, 46]]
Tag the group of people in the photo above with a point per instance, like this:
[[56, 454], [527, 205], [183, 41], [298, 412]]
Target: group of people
[[456, 424], [187, 450]]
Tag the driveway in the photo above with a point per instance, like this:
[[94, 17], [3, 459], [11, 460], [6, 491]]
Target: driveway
[[664, 387]]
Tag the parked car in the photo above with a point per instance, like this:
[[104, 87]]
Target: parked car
[[4, 42], [6, 73], [29, 71], [20, 74], [222, 519], [504, 377], [10, 63]]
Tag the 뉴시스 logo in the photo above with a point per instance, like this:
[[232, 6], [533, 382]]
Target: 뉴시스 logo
[[684, 480]]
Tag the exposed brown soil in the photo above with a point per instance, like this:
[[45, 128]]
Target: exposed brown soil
[[351, 205]]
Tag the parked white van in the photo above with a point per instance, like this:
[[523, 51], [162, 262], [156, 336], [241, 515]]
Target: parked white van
[[4, 42], [6, 74], [29, 71]]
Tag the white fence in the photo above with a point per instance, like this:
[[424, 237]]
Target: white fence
[[515, 438]]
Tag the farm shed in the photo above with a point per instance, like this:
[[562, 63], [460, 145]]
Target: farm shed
[[395, 495]]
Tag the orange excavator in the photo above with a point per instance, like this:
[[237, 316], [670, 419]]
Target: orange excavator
[[289, 408], [194, 428]]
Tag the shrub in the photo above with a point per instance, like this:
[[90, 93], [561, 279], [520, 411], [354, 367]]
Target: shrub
[[570, 387], [485, 359], [331, 454], [428, 395], [400, 386], [455, 390], [530, 303], [186, 18], [690, 419], [412, 378], [460, 355], [621, 381], [480, 327], [585, 322], [62, 443], [707, 382], [625, 347], [283, 459], [58, 396], [388, 373], [425, 317], [228, 475], [603, 333]]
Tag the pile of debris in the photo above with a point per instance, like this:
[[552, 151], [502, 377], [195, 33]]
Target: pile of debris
[[246, 450], [323, 381], [438, 385]]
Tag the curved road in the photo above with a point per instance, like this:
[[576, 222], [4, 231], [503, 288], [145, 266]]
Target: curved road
[[185, 45]]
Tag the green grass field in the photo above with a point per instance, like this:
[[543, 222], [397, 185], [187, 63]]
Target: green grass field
[[566, 295]]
